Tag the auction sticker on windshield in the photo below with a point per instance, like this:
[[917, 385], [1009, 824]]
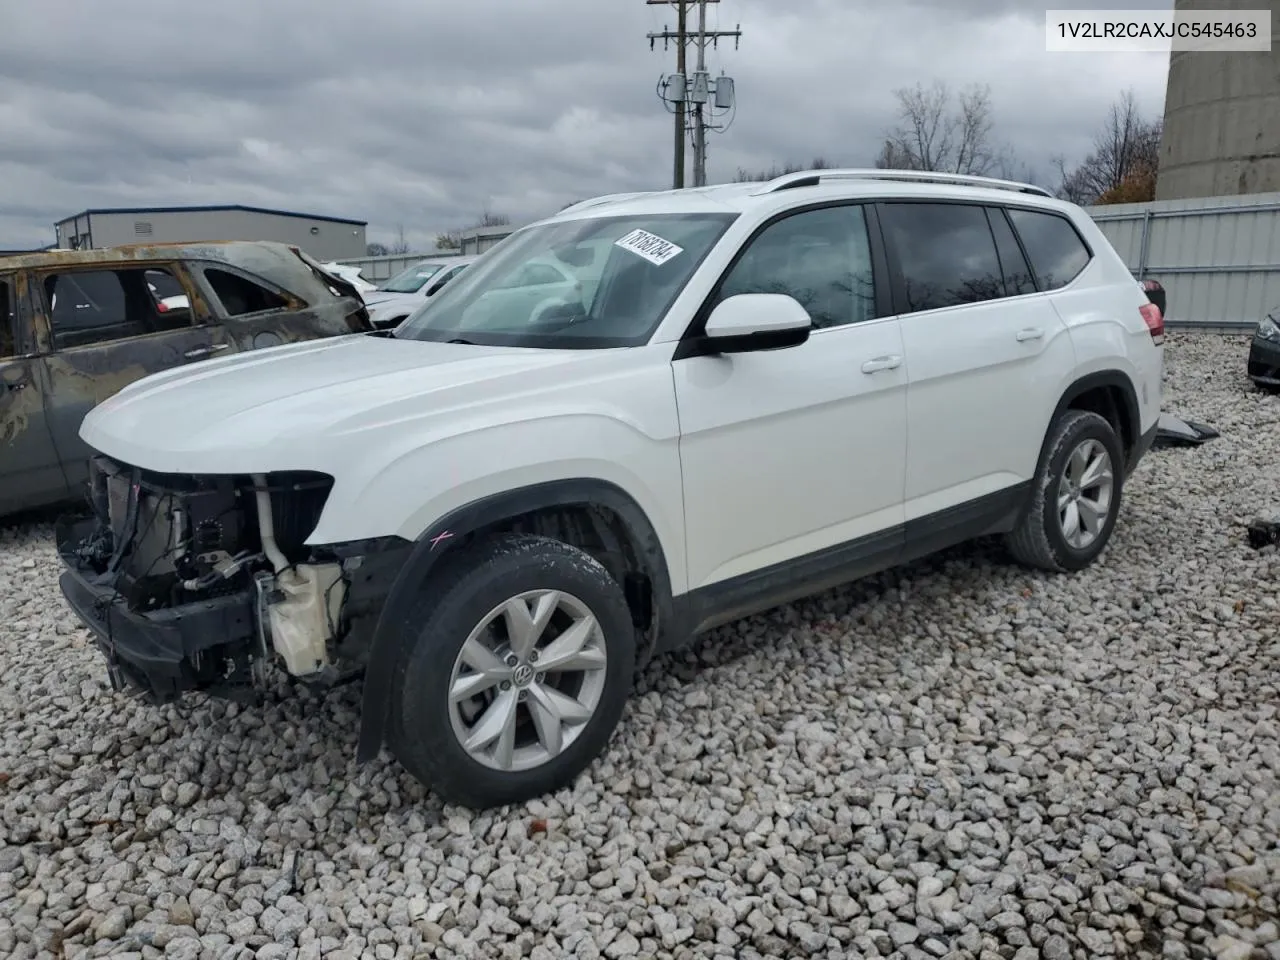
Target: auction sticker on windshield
[[650, 246]]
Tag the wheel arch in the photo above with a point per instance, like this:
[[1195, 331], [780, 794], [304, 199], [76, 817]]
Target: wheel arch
[[1112, 395], [601, 516]]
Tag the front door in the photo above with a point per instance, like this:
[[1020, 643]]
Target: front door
[[801, 451], [102, 327], [30, 475]]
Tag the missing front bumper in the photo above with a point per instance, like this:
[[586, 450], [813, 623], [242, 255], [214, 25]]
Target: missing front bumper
[[206, 645]]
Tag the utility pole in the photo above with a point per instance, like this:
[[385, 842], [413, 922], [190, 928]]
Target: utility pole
[[682, 90], [681, 39], [699, 125]]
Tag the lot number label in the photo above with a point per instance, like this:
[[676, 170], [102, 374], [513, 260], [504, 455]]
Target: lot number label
[[650, 246]]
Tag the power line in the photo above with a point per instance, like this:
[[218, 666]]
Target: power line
[[700, 91]]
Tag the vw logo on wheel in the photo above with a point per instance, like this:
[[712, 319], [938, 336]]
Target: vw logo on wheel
[[522, 676]]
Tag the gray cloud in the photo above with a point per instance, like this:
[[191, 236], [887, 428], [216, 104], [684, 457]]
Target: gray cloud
[[424, 113]]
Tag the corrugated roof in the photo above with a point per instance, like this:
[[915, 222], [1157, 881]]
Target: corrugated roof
[[214, 209]]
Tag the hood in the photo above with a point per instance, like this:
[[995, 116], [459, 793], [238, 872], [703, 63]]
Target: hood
[[374, 297], [270, 409], [382, 306]]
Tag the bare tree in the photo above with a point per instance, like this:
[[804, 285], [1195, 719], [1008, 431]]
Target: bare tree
[[375, 250], [752, 176], [936, 134], [1124, 160]]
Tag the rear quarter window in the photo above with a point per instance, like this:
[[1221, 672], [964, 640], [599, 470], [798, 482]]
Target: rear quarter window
[[241, 296], [1056, 250]]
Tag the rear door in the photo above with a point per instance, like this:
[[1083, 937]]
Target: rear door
[[30, 474], [256, 312], [985, 354], [100, 328]]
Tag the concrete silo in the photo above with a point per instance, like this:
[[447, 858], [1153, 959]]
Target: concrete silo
[[1222, 116]]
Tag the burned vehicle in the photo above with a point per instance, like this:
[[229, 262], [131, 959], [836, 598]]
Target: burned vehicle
[[79, 325]]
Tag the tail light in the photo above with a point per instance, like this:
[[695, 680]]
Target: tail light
[[1154, 320], [162, 307]]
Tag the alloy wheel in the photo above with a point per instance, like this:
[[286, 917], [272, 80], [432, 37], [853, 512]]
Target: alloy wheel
[[1085, 494], [527, 680]]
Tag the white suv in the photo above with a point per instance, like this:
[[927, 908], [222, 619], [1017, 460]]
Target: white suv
[[392, 303], [495, 513]]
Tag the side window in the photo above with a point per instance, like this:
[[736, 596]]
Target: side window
[[822, 258], [445, 278], [169, 299], [98, 306], [1057, 253], [945, 253], [1018, 278], [8, 326], [164, 285], [240, 296]]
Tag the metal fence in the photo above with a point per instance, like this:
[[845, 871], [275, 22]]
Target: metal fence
[[377, 269], [1218, 258]]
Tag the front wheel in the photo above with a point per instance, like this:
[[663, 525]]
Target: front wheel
[[517, 675], [1075, 497]]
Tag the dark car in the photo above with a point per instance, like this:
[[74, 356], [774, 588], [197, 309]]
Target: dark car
[[80, 325], [1264, 353]]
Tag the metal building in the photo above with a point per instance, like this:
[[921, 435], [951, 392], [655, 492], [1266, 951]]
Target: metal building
[[1222, 116], [325, 238], [479, 239]]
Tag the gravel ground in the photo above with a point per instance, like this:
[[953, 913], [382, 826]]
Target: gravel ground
[[960, 759]]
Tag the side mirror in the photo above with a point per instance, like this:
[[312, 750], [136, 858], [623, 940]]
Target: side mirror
[[749, 322]]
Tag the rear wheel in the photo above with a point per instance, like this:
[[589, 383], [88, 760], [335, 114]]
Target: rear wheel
[[518, 673], [1075, 496]]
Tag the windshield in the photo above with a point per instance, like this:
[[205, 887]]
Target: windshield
[[595, 283], [411, 280]]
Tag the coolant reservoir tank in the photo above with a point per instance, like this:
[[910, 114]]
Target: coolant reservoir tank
[[304, 621]]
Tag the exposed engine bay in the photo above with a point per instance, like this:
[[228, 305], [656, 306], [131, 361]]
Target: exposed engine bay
[[202, 582]]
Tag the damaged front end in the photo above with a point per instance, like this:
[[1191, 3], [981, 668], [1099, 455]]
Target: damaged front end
[[200, 583]]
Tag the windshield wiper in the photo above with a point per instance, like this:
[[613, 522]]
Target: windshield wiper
[[460, 340]]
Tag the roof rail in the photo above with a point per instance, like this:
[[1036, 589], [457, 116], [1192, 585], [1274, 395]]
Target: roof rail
[[811, 178], [600, 201]]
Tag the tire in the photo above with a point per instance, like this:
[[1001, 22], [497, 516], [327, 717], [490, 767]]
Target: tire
[[1043, 539], [428, 731]]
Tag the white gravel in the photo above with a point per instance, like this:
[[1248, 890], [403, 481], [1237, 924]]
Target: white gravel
[[959, 760]]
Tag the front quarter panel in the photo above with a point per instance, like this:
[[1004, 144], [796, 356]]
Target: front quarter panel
[[617, 423]]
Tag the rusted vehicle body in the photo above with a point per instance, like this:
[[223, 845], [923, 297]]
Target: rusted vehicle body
[[80, 325]]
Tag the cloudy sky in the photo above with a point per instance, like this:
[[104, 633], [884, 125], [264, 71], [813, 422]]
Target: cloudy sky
[[422, 113]]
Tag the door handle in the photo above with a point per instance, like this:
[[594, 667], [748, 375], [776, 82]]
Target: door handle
[[199, 353], [891, 362], [1030, 333]]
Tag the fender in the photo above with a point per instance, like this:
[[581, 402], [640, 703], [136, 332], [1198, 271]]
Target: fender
[[443, 538]]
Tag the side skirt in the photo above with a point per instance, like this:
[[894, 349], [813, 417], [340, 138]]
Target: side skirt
[[719, 603]]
